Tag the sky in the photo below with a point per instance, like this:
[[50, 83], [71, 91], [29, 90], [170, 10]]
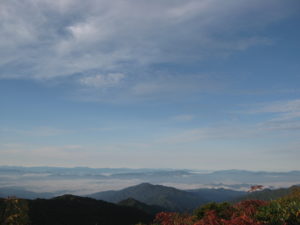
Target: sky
[[196, 84]]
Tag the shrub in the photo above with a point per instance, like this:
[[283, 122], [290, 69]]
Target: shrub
[[222, 210]]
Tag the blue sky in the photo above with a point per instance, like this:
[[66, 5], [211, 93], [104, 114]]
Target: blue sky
[[157, 84]]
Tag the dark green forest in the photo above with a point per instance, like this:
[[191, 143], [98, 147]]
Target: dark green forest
[[68, 209], [266, 207]]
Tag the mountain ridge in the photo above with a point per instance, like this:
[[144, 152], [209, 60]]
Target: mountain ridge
[[169, 198], [69, 209]]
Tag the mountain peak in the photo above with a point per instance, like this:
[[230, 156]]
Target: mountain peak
[[71, 197], [145, 185]]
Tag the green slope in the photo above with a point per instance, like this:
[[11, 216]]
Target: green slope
[[169, 198], [150, 209], [218, 195]]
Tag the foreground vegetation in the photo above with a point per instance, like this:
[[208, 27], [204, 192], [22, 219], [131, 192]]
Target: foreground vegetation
[[68, 210], [283, 211], [74, 210]]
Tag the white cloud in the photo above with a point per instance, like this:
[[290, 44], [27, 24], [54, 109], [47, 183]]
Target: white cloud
[[283, 110], [280, 107], [283, 120], [47, 39], [281, 125], [102, 81], [285, 115], [169, 84], [160, 86]]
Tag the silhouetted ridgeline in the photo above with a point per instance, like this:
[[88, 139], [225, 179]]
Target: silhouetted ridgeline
[[68, 209], [75, 210], [150, 209]]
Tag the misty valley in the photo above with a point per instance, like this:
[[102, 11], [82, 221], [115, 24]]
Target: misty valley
[[46, 196]]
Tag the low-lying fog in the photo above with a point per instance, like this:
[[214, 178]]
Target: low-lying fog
[[83, 181]]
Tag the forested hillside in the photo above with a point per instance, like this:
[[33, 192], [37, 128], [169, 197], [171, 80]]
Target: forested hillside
[[74, 210], [282, 211], [165, 197], [268, 194], [68, 209], [169, 198]]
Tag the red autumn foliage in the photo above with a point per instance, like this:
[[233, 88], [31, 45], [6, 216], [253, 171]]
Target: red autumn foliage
[[242, 213], [172, 218], [212, 219], [249, 207]]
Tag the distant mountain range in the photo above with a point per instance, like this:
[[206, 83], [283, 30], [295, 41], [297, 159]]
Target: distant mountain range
[[200, 186], [140, 204], [168, 198], [88, 180], [165, 197], [159, 197], [217, 194], [155, 198], [23, 193]]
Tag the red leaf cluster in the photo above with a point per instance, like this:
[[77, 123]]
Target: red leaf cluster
[[171, 218], [240, 214]]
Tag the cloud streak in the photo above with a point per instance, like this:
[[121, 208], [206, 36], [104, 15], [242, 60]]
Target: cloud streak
[[46, 39], [283, 116], [102, 81], [285, 110], [38, 131]]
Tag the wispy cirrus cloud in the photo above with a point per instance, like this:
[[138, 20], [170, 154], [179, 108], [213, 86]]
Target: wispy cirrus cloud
[[283, 115], [284, 110], [118, 87], [46, 39], [38, 131], [102, 80], [283, 118], [116, 46], [281, 125]]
